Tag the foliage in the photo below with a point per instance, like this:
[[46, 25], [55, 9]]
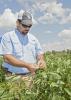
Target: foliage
[[53, 83]]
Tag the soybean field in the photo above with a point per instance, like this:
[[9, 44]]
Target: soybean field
[[53, 83]]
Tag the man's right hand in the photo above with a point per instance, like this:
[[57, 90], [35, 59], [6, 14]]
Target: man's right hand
[[32, 68]]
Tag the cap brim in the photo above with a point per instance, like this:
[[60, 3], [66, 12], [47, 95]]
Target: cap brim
[[26, 22]]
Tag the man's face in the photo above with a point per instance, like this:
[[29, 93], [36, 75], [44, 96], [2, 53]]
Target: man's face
[[24, 29]]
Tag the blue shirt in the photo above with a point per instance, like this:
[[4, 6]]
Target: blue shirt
[[23, 47]]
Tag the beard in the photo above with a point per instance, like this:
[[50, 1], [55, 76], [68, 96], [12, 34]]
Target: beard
[[25, 32]]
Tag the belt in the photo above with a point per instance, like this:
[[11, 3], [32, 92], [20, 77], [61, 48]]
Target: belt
[[11, 73]]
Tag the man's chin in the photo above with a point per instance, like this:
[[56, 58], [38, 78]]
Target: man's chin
[[24, 33]]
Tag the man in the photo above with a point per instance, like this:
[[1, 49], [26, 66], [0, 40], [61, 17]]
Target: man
[[21, 50]]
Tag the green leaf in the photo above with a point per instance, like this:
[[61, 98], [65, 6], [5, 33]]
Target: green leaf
[[67, 91]]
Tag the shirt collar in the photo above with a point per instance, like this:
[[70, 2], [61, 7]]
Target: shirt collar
[[20, 34]]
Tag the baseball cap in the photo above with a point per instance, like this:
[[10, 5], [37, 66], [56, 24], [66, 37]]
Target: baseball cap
[[25, 17]]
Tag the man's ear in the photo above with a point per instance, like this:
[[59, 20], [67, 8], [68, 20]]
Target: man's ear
[[17, 23]]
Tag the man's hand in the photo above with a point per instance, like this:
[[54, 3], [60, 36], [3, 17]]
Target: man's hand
[[41, 64], [32, 68]]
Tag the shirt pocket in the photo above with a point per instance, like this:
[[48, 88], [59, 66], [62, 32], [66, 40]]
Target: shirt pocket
[[18, 53], [32, 49], [17, 49]]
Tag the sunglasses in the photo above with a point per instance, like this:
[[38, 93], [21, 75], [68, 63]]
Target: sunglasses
[[26, 26]]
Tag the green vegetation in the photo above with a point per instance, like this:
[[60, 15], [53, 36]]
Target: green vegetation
[[53, 83]]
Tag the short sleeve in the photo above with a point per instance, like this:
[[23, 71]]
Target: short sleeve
[[39, 49], [6, 45]]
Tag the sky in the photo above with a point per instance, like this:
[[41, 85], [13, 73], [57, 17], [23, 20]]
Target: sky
[[51, 21]]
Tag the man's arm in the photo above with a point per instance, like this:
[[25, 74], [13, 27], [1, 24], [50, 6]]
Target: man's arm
[[15, 62], [41, 61]]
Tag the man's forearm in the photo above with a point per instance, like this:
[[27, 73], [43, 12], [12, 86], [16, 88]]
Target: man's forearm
[[40, 57], [15, 62], [41, 62]]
